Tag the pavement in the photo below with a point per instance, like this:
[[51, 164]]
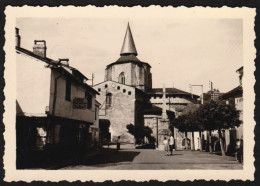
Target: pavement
[[129, 158]]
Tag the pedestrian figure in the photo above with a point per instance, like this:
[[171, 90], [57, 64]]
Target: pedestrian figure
[[165, 143], [118, 143], [171, 144]]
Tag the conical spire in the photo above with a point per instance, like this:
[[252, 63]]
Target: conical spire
[[128, 45]]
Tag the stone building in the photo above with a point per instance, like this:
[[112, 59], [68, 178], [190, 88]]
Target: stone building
[[127, 96], [55, 107]]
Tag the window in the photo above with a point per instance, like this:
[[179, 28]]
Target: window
[[124, 90], [129, 93], [99, 89], [88, 96], [109, 100], [121, 78], [105, 85], [118, 88], [68, 90]]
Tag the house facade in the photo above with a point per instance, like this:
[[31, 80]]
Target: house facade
[[55, 107]]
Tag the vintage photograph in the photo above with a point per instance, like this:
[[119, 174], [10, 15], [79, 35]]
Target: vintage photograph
[[85, 100], [130, 92]]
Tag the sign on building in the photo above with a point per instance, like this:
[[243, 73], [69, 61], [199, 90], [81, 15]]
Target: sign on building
[[80, 103]]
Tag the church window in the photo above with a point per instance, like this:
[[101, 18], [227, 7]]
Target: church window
[[109, 100], [124, 90], [129, 92], [121, 78], [105, 85], [118, 88], [99, 89]]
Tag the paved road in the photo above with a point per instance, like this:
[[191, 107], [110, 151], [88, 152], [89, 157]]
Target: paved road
[[145, 159]]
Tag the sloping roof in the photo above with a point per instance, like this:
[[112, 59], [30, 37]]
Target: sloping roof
[[59, 67], [114, 82], [170, 91], [128, 59], [128, 45], [47, 60], [236, 92]]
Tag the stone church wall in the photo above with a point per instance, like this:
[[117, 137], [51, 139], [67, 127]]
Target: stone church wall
[[122, 110]]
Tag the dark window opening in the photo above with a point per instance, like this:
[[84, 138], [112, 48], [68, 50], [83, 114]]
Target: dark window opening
[[99, 89], [89, 100], [129, 93], [109, 100], [124, 90], [118, 88], [105, 85], [68, 90], [121, 78]]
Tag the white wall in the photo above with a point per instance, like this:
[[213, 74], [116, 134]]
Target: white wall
[[33, 85], [63, 107]]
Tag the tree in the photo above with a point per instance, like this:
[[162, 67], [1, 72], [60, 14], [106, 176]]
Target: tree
[[188, 122], [218, 116], [140, 132]]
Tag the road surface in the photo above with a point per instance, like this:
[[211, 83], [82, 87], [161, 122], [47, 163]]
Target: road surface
[[149, 159]]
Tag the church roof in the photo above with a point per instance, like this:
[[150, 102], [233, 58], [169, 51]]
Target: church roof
[[128, 45], [128, 59], [128, 52]]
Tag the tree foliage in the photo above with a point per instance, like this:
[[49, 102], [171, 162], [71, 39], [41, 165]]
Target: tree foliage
[[210, 116], [217, 115], [140, 132]]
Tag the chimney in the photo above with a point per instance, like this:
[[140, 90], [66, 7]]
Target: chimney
[[17, 38], [64, 61], [40, 48]]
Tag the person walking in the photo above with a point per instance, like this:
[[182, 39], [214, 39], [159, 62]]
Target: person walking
[[171, 144], [166, 145]]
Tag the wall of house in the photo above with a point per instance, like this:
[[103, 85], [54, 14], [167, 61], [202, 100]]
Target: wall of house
[[32, 85], [65, 108], [122, 110]]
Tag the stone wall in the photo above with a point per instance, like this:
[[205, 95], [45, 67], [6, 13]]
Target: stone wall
[[122, 109]]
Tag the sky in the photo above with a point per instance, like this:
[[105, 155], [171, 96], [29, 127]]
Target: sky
[[180, 51]]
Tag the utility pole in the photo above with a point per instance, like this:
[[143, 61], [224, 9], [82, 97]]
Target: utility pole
[[92, 79]]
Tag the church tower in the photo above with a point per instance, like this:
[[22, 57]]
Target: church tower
[[128, 69]]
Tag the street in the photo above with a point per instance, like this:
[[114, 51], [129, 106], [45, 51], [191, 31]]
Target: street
[[150, 159]]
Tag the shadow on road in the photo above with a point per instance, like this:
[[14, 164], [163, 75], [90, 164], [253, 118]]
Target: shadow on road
[[105, 156]]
